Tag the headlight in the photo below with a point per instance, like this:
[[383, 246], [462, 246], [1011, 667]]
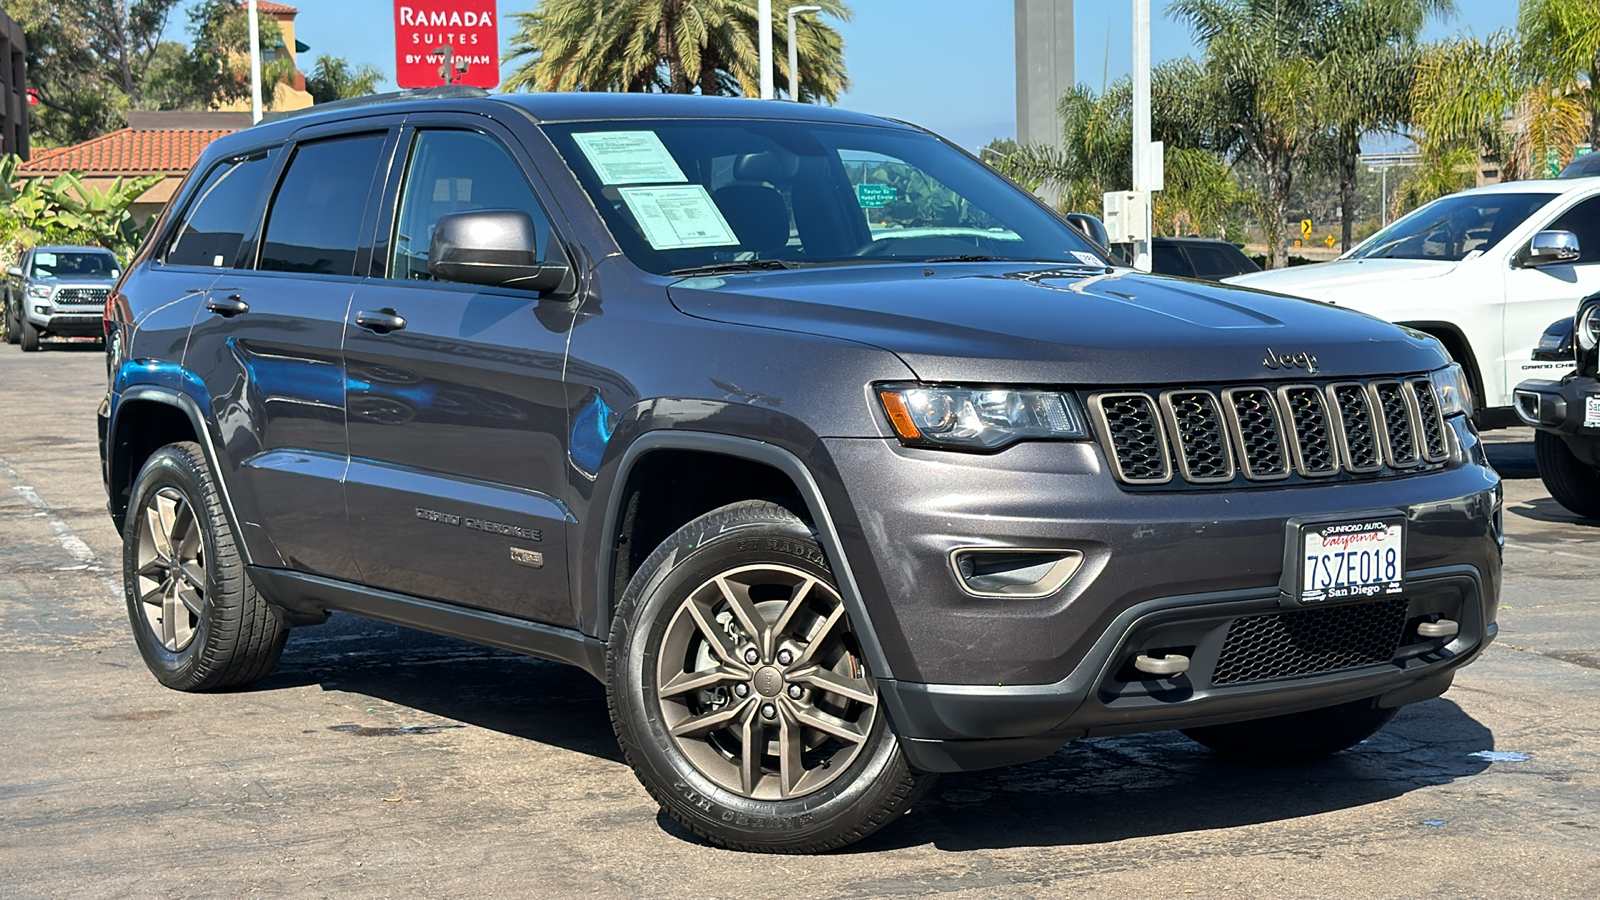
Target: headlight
[[1455, 397], [981, 418], [40, 290], [1586, 331]]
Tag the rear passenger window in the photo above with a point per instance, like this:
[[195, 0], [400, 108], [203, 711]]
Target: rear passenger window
[[1168, 260], [1212, 262], [314, 225], [452, 172], [217, 219]]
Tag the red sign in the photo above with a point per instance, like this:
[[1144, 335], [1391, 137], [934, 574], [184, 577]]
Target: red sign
[[33, 96], [439, 42]]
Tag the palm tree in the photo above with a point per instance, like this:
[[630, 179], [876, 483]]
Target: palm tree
[[335, 79], [1260, 75], [1366, 69], [673, 46]]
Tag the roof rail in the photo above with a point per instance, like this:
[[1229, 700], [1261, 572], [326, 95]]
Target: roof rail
[[444, 92]]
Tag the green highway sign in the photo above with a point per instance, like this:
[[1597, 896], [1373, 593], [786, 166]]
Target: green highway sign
[[874, 196]]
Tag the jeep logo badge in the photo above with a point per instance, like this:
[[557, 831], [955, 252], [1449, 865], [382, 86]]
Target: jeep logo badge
[[1276, 360]]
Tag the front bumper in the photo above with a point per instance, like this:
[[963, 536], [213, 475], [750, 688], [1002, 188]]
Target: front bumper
[[1569, 408], [980, 681], [66, 321]]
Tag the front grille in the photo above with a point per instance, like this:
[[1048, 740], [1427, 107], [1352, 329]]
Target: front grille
[[75, 296], [1253, 433], [1310, 641]]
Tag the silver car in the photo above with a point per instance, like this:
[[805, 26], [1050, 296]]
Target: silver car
[[58, 291]]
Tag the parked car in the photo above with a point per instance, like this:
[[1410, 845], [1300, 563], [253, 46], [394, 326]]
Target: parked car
[[58, 291], [647, 384], [1207, 259], [1566, 413], [1582, 167], [1483, 271]]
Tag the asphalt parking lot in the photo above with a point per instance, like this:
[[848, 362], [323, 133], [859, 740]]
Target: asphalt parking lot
[[377, 761]]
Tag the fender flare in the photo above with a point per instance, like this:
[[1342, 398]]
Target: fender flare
[[190, 408], [759, 452]]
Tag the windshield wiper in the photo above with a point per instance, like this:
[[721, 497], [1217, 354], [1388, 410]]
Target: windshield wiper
[[966, 257], [743, 265]]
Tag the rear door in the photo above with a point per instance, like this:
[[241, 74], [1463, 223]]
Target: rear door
[[458, 418], [268, 345]]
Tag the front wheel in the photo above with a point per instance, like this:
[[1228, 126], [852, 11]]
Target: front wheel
[[739, 694], [1571, 482], [28, 336], [1296, 737]]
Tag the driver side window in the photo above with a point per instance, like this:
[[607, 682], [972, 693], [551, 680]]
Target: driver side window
[[1582, 220], [452, 172]]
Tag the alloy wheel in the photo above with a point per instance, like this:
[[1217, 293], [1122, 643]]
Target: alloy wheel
[[171, 578], [761, 684]]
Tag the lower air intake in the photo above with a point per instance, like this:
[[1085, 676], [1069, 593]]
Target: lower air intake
[[1310, 641]]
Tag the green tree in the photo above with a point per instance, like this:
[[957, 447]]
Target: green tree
[[335, 79], [64, 210], [671, 46]]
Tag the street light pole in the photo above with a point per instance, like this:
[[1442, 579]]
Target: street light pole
[[255, 63], [794, 50], [764, 46]]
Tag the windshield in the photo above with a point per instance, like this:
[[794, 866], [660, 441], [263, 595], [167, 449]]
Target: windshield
[[685, 194], [1452, 227], [48, 264]]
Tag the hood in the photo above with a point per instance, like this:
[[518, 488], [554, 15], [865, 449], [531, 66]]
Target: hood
[[1327, 281], [77, 280], [1002, 323]]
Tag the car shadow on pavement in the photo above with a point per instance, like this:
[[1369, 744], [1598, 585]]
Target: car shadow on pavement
[[1544, 509], [441, 678], [1110, 789]]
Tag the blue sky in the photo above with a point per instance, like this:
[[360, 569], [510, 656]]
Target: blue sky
[[944, 64]]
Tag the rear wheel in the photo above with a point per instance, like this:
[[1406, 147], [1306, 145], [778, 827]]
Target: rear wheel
[[197, 619], [1572, 482], [739, 694], [1295, 737]]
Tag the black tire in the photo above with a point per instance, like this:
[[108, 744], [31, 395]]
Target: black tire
[[852, 799], [6, 321], [29, 336], [1570, 481], [223, 635], [1296, 737]]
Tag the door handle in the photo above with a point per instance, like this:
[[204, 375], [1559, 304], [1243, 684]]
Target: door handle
[[380, 321], [227, 307]]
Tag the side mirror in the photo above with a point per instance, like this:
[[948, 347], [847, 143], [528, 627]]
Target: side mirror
[[1551, 248], [1091, 228], [493, 247], [14, 271]]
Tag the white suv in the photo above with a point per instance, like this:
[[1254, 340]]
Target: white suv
[[1485, 271]]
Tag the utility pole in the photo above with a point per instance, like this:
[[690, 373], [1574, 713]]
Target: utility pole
[[1145, 162], [794, 50], [255, 63], [764, 46]]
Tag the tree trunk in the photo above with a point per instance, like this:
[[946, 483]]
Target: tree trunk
[[1349, 155], [677, 79], [1280, 179]]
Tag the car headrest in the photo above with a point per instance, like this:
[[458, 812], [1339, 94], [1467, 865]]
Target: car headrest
[[765, 166], [758, 215]]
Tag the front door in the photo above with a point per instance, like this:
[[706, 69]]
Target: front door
[[1537, 297], [457, 412]]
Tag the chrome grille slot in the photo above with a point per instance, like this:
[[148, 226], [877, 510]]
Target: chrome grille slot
[[1434, 447], [1199, 436], [1398, 435], [1355, 422], [1258, 431], [1311, 438], [1138, 442], [77, 296]]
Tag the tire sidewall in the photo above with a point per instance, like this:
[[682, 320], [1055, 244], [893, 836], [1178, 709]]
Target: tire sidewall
[[837, 806], [176, 468]]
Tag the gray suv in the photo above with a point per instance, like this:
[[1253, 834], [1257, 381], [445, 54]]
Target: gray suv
[[839, 459], [58, 291]]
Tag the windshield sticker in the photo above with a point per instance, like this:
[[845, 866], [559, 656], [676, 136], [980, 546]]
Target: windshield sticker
[[629, 157], [1088, 259], [677, 217], [44, 259]]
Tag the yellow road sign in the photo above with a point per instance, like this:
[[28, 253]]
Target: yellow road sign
[[1329, 242], [1305, 228]]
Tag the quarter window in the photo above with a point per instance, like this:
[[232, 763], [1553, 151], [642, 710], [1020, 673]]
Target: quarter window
[[314, 226], [452, 172], [217, 219]]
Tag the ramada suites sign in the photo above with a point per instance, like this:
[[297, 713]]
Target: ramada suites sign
[[422, 28]]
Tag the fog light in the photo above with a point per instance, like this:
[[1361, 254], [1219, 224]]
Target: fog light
[[41, 310], [1539, 408], [1014, 574]]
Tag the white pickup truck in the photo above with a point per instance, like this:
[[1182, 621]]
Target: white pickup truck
[[1485, 271]]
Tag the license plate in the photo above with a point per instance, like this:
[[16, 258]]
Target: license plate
[[1351, 560]]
